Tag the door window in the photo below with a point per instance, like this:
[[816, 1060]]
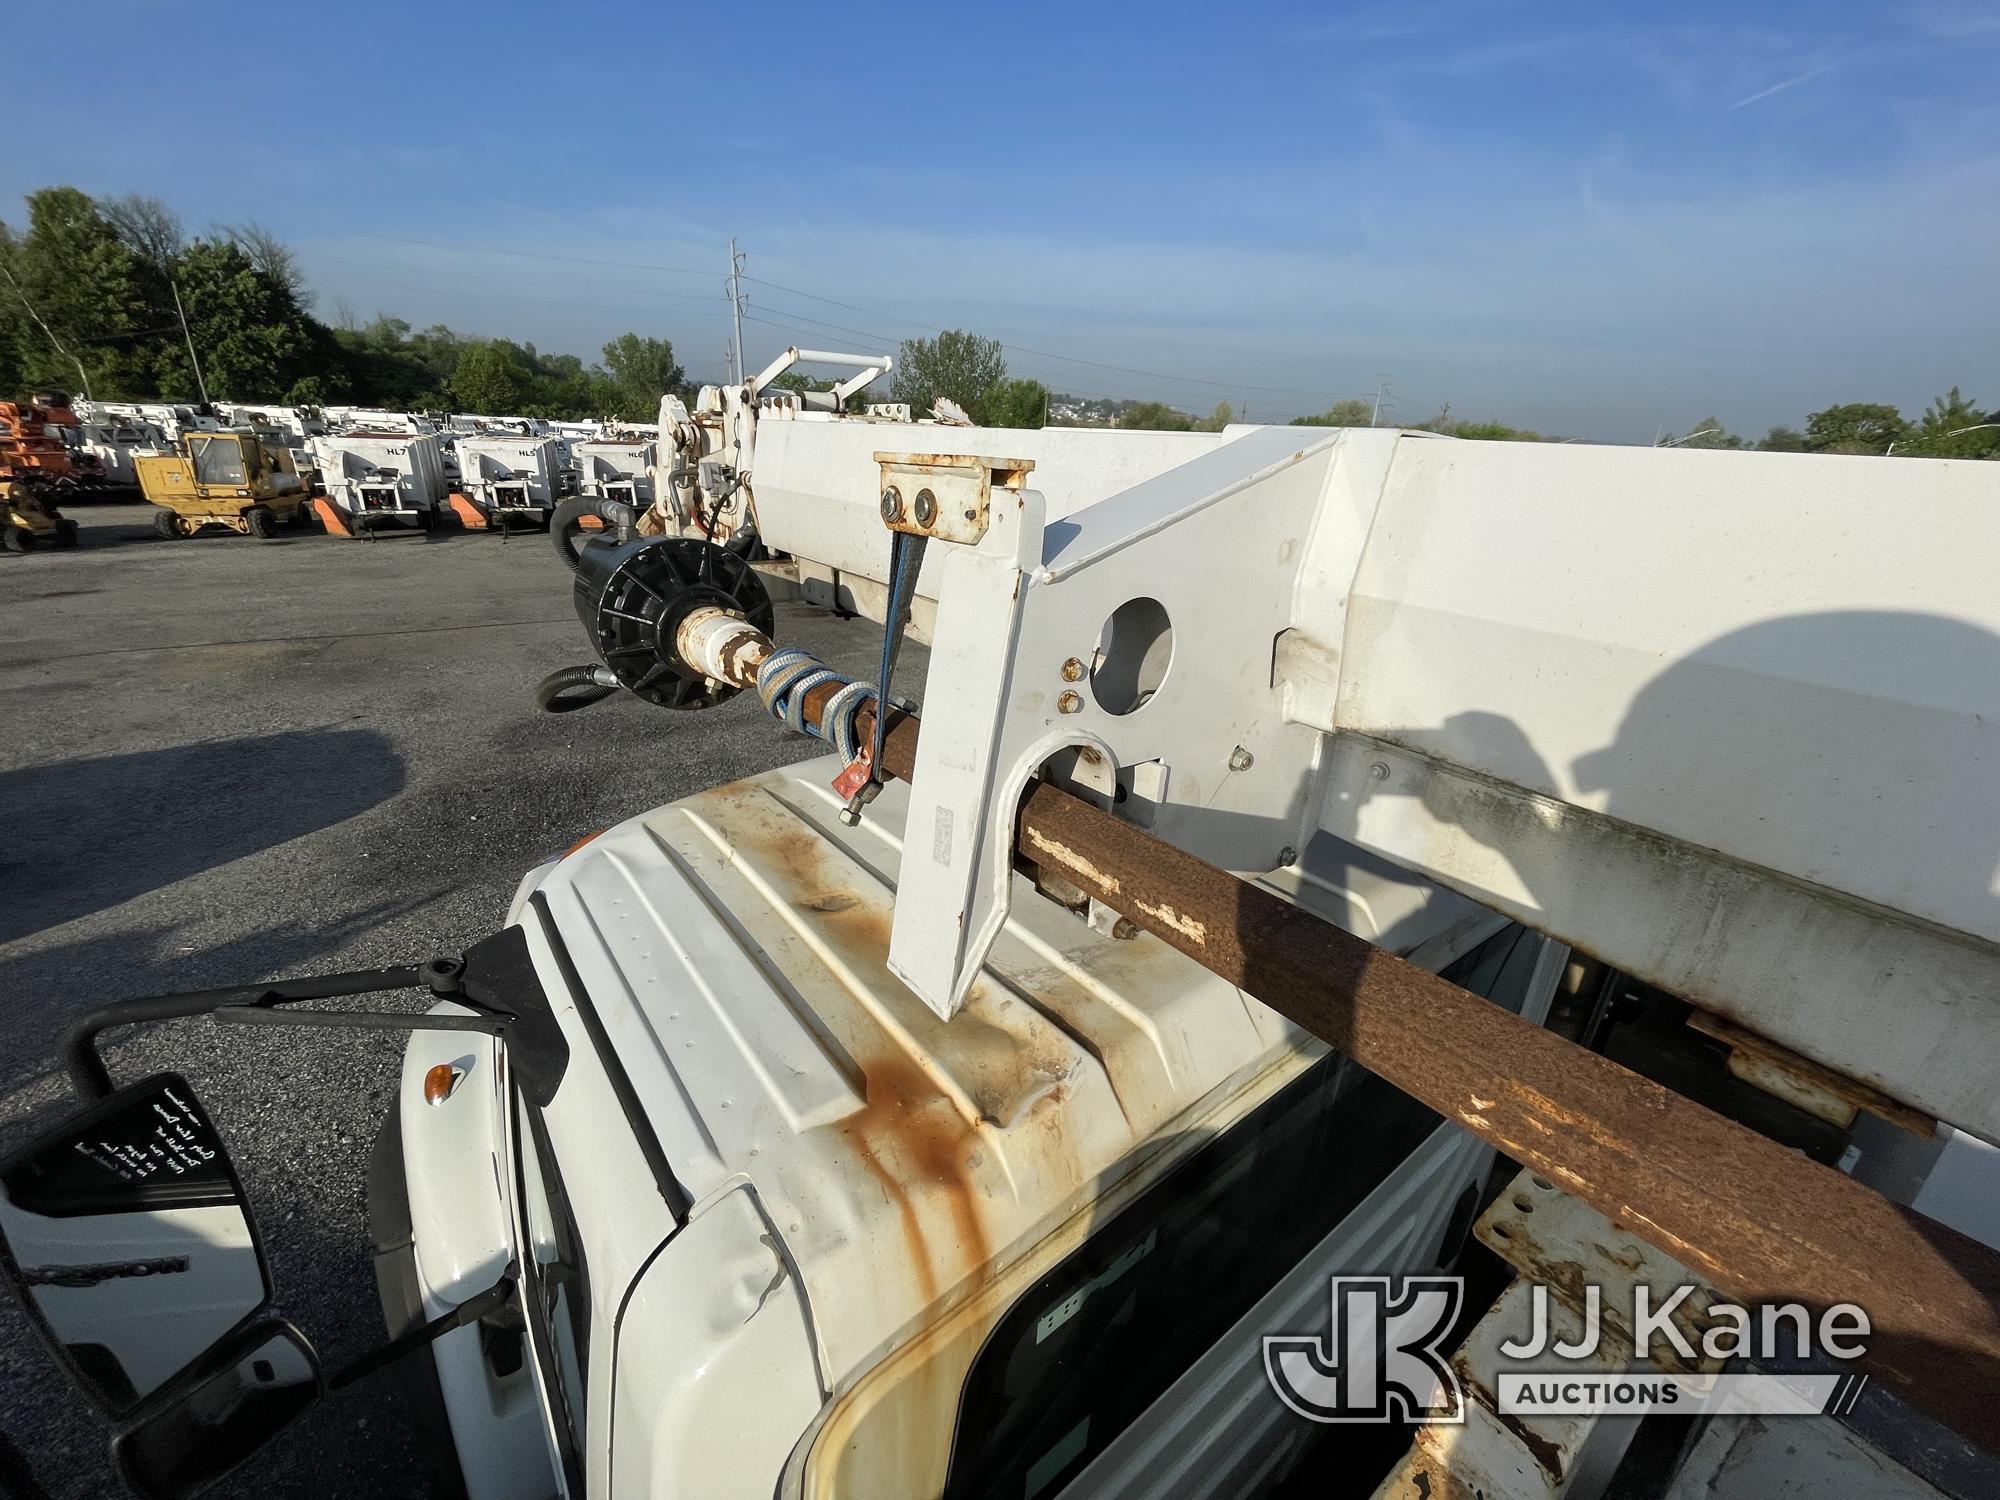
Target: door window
[[555, 1284], [1104, 1334]]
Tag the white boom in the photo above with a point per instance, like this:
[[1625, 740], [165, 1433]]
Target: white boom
[[1730, 721]]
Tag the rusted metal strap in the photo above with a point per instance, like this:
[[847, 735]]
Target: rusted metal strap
[[1758, 1220]]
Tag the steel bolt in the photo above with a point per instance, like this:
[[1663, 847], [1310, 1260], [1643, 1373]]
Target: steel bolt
[[926, 507], [1380, 770], [892, 504], [1125, 929], [1287, 855], [1241, 759], [1072, 670], [1069, 703]]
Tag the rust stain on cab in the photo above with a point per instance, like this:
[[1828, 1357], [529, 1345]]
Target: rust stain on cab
[[948, 1123], [918, 1146]]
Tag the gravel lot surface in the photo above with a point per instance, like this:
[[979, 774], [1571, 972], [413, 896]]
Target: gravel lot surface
[[227, 761]]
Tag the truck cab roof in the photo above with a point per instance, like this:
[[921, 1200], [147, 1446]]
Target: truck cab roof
[[734, 948]]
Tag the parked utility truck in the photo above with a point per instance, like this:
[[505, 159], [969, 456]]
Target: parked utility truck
[[505, 479], [617, 468], [377, 478], [912, 1121]]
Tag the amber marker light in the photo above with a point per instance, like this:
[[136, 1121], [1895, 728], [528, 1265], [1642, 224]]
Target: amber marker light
[[439, 1082]]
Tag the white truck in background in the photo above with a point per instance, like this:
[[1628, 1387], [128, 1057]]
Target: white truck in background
[[376, 477], [511, 478], [617, 468]]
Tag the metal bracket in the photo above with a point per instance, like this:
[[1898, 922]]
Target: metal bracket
[[945, 495], [1028, 620]]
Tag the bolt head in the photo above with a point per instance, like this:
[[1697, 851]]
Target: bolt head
[[1072, 670], [1241, 759], [1287, 855], [892, 504], [1380, 770], [926, 510], [1069, 703]]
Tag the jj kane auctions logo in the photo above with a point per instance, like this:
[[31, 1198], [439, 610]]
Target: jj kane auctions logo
[[1382, 1357]]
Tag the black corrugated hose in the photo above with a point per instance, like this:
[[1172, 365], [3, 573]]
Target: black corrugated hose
[[566, 520], [570, 688]]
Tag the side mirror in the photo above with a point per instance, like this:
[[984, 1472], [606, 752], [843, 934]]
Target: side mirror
[[125, 1233], [256, 1382]]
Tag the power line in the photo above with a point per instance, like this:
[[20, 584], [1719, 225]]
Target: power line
[[851, 307], [610, 288], [715, 307], [580, 260], [860, 333], [1069, 386], [819, 327], [1225, 385], [1072, 359], [137, 333]]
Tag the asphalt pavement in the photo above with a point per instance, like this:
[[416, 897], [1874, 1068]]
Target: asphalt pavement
[[226, 761]]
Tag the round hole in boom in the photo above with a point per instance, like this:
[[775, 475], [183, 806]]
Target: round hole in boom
[[1134, 650]]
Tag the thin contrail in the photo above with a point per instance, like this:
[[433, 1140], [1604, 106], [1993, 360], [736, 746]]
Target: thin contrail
[[1779, 88]]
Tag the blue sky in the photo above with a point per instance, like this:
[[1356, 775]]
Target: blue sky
[[1566, 216]]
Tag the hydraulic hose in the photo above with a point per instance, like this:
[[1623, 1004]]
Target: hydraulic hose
[[789, 673], [567, 520], [570, 688]]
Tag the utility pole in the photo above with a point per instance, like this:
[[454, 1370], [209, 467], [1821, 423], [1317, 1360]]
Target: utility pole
[[195, 359], [81, 373], [736, 305]]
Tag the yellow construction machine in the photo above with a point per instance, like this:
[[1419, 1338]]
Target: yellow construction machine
[[223, 479], [34, 465], [27, 518]]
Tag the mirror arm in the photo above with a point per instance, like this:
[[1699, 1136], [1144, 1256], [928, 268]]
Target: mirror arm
[[472, 1310], [362, 1020], [441, 976]]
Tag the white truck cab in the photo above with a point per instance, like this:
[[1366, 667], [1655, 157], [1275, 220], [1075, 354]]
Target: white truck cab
[[784, 1231]]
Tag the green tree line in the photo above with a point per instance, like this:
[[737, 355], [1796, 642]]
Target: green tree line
[[92, 294], [970, 371], [1954, 426], [93, 291]]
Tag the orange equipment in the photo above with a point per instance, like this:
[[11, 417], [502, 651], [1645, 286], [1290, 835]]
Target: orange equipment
[[28, 450]]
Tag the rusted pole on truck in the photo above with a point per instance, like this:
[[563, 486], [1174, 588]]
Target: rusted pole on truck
[[1757, 1220]]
